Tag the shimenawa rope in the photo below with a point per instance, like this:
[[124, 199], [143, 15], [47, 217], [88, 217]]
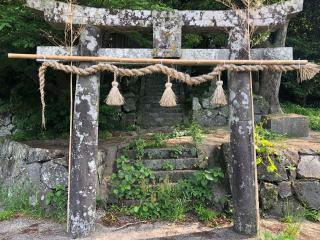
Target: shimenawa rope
[[306, 72]]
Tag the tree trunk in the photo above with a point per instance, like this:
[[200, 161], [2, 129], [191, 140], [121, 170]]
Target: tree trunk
[[270, 81]]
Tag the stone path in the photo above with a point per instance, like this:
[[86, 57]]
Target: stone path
[[25, 228]]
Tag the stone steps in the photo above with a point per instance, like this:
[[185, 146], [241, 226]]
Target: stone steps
[[177, 164], [164, 153], [175, 175]]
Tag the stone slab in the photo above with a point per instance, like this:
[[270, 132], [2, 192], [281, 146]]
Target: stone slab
[[308, 192], [281, 53], [287, 124], [309, 167]]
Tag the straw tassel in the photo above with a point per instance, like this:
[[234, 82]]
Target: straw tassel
[[308, 71], [219, 98], [168, 98], [114, 97]]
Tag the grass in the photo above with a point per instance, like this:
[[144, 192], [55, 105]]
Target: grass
[[313, 114], [16, 201]]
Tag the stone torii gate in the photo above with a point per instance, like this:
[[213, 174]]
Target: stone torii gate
[[167, 30]]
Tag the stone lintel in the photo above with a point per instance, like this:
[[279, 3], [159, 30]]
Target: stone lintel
[[281, 53], [267, 16]]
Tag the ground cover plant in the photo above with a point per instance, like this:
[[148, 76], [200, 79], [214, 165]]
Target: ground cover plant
[[164, 200]]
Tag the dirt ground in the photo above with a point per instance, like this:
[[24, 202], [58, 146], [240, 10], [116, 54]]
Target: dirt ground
[[41, 229]]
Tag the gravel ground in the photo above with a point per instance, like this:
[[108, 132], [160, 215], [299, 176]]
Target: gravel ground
[[42, 229]]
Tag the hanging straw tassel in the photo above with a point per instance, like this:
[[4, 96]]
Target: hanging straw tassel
[[115, 98], [308, 71], [168, 98], [219, 98]]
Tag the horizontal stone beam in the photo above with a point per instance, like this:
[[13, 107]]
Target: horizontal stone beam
[[281, 53], [58, 12]]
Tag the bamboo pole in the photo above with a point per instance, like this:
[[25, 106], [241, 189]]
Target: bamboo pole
[[155, 60]]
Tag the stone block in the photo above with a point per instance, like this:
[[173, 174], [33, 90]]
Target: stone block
[[277, 176], [196, 106], [287, 124], [268, 195], [308, 193], [309, 167], [285, 189], [53, 174]]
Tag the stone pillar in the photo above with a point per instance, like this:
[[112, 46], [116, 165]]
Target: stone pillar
[[167, 31], [82, 199], [244, 172]]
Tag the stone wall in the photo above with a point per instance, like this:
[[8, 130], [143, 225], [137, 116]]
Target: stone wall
[[6, 124], [295, 184], [208, 115], [47, 168]]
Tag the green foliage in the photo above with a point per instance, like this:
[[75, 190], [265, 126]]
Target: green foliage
[[176, 151], [132, 180], [312, 215], [167, 165], [139, 146], [5, 215], [205, 214], [196, 132], [165, 200], [266, 152], [313, 114], [157, 141], [16, 200], [58, 199]]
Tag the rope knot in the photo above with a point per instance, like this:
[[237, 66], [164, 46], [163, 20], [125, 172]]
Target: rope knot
[[168, 85]]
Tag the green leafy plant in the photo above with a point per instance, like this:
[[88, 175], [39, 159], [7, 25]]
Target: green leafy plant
[[205, 214], [16, 200], [312, 215], [157, 140], [176, 151], [139, 146], [196, 132], [132, 180], [167, 165], [57, 199]]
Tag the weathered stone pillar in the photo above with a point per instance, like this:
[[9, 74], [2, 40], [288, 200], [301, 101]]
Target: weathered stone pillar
[[244, 172], [83, 176]]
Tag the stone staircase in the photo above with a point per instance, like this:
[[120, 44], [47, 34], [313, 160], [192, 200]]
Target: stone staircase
[[151, 113], [184, 164]]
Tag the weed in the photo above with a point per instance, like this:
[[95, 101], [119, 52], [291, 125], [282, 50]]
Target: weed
[[176, 151], [6, 214], [205, 214], [57, 199], [167, 165], [312, 215], [16, 199], [157, 140], [196, 132], [132, 181], [139, 146]]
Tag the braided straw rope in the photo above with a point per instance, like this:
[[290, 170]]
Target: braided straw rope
[[307, 71]]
